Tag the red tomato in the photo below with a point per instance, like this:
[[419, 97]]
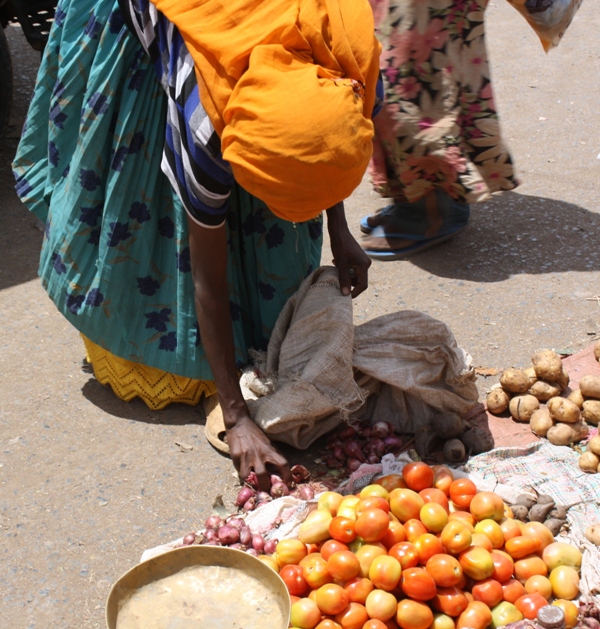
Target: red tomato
[[395, 534], [372, 525], [385, 572], [427, 546], [406, 553], [343, 565], [332, 599], [462, 491], [512, 590], [391, 482], [314, 570], [372, 502], [487, 505], [431, 494], [414, 528], [418, 584], [504, 567], [529, 604], [342, 529], [417, 475], [358, 589], [450, 601], [488, 591], [331, 546], [294, 580], [476, 616], [413, 615], [353, 617], [445, 570]]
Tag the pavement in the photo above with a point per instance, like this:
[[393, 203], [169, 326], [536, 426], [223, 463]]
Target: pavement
[[88, 482]]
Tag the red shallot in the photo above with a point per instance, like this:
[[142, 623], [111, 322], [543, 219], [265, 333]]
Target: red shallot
[[258, 542], [243, 495], [300, 474], [348, 432], [306, 492], [213, 522], [270, 546], [253, 552], [228, 535], [352, 449], [246, 536], [263, 496], [279, 489], [393, 443], [353, 464], [189, 539], [380, 430], [210, 535], [249, 505]]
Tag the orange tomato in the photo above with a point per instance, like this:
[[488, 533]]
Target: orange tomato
[[353, 617], [358, 589], [290, 551], [431, 494], [519, 547], [331, 599], [372, 525], [418, 584], [417, 475], [371, 502], [479, 539], [491, 529], [414, 528], [374, 490], [314, 570], [571, 611], [413, 615], [504, 567], [530, 604], [331, 546], [476, 563], [366, 554], [530, 566], [488, 591], [451, 601], [342, 529], [476, 616], [433, 516], [462, 491], [442, 478], [539, 531], [427, 546], [540, 585], [406, 553], [384, 572], [512, 590], [391, 482], [463, 516], [510, 528], [373, 623], [328, 623], [305, 613], [487, 505], [445, 570], [330, 501], [442, 621], [456, 537], [565, 582], [405, 504], [395, 534], [343, 565], [381, 605]]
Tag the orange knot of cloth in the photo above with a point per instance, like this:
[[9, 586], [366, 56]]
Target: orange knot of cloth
[[289, 85]]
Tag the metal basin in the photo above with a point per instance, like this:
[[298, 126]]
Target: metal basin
[[208, 587]]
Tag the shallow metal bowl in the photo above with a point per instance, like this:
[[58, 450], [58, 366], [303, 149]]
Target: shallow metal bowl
[[208, 587]]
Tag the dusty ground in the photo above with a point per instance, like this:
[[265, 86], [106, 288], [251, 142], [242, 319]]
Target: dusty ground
[[89, 482]]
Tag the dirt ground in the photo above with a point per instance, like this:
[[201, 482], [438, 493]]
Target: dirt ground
[[89, 482]]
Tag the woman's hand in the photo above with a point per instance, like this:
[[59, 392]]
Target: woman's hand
[[351, 261], [251, 449]]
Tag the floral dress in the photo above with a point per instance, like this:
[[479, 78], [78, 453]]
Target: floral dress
[[438, 128], [115, 257]]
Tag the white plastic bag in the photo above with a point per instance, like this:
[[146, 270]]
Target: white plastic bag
[[548, 18]]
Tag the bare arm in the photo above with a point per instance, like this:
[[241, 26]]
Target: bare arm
[[249, 446]]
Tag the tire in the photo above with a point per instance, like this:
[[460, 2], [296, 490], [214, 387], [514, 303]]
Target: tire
[[6, 83]]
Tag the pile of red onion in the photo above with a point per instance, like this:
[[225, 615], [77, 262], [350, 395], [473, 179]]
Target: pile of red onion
[[350, 446]]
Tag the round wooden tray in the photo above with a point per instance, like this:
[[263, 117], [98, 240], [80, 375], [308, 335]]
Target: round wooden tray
[[208, 587]]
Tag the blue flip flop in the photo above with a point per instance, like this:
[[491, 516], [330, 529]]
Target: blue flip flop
[[365, 228], [404, 252]]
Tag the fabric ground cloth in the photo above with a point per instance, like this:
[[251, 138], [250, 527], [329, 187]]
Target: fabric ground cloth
[[115, 258], [438, 127]]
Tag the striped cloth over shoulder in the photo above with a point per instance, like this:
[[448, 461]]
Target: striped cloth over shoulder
[[192, 158]]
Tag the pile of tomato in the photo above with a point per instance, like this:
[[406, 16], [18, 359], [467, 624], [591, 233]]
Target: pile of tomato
[[422, 550]]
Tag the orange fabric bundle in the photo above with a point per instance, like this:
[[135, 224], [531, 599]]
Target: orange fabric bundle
[[289, 85]]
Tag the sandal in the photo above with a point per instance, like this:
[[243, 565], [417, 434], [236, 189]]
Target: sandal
[[214, 429]]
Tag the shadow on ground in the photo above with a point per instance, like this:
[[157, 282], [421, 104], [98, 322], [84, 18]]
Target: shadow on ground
[[516, 234]]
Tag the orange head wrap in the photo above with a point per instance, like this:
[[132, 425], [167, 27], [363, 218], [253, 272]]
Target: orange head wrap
[[290, 88]]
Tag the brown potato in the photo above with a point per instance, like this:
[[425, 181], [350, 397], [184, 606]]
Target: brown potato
[[566, 434], [591, 411], [541, 422], [497, 401], [514, 380], [563, 410], [589, 462], [576, 397], [547, 365], [597, 350], [590, 387], [544, 391], [563, 380], [592, 534], [530, 373], [594, 445], [522, 407]]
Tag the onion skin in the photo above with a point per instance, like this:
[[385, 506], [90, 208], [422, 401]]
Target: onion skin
[[300, 474], [243, 495]]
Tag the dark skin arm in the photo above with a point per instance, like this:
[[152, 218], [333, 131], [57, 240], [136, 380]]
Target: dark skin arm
[[250, 448]]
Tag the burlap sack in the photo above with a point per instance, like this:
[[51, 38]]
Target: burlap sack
[[402, 367]]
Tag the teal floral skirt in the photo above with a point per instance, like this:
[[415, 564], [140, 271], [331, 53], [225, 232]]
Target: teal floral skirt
[[115, 257]]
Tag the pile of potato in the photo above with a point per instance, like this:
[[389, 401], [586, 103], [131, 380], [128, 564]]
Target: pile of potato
[[543, 509], [562, 420]]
